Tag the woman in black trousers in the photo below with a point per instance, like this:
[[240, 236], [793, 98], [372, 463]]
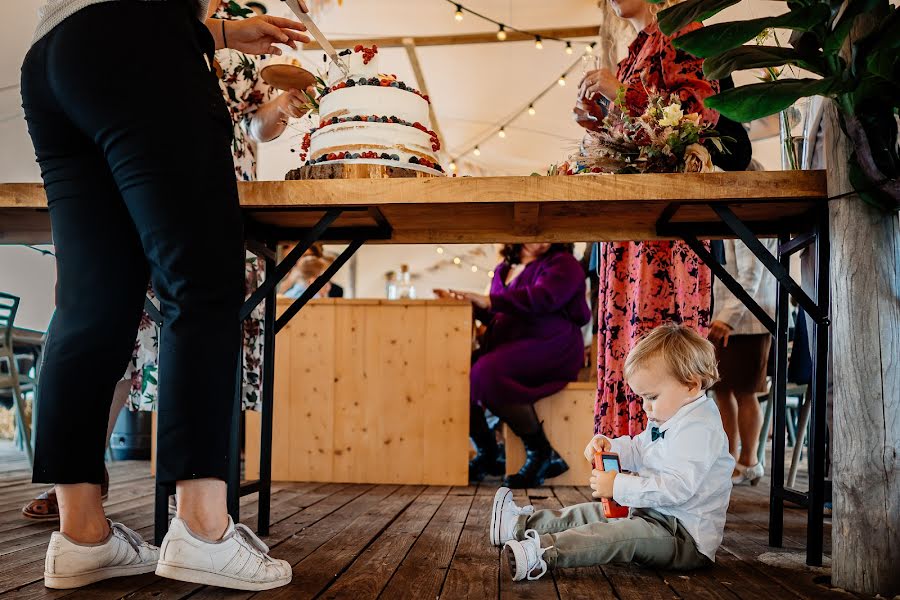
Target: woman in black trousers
[[127, 204]]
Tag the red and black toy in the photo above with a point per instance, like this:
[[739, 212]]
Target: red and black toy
[[609, 461]]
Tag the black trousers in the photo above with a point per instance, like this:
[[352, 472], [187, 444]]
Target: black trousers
[[133, 140]]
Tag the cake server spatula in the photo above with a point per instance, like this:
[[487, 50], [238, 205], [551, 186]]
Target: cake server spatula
[[317, 34]]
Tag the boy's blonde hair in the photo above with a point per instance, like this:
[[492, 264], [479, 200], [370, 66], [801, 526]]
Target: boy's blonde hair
[[687, 355]]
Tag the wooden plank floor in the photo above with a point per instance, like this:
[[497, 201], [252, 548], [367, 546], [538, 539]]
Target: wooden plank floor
[[389, 541]]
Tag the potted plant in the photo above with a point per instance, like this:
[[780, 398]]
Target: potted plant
[[865, 86]]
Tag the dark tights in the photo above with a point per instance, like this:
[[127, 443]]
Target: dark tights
[[521, 418]]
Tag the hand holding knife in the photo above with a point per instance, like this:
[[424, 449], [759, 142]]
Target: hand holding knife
[[317, 34]]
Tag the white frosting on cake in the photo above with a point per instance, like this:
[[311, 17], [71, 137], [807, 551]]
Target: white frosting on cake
[[365, 100], [358, 68], [358, 137]]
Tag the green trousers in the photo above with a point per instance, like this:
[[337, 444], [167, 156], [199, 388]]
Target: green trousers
[[581, 536]]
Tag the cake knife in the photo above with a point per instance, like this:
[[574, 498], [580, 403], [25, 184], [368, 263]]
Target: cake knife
[[317, 34]]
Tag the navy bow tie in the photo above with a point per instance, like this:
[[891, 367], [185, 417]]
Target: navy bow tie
[[655, 434]]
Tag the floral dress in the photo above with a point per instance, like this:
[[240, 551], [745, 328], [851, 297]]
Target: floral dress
[[244, 93], [646, 284]]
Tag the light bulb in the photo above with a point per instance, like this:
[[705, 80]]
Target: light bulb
[[502, 133], [531, 110], [569, 49], [490, 274], [589, 49], [456, 260], [501, 33], [459, 13], [440, 249], [538, 43], [476, 151], [452, 165], [474, 269], [562, 80]]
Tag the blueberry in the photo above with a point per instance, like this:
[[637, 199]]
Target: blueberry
[[414, 160], [385, 155], [362, 81], [401, 85], [350, 83], [394, 84], [371, 119], [354, 155], [395, 156]]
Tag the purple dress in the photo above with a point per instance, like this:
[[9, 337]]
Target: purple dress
[[533, 346]]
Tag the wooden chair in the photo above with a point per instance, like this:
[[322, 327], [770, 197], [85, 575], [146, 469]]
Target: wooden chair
[[10, 378]]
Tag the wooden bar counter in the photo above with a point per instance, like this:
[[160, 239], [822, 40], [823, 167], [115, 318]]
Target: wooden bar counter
[[370, 391]]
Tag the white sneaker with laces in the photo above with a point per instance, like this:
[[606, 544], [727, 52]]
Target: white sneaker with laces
[[526, 556], [746, 474], [239, 561], [504, 516], [70, 564]]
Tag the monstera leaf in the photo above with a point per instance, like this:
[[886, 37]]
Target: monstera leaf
[[749, 102], [715, 39], [755, 57], [691, 11]]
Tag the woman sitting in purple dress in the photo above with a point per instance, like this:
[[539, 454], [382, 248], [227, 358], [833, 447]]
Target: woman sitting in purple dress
[[533, 348]]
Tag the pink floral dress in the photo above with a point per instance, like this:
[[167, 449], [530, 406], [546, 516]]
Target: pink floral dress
[[646, 284], [244, 92]]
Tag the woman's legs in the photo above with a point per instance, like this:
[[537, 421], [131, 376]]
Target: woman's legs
[[749, 424]]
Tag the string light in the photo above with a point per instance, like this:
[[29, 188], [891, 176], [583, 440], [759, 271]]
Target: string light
[[529, 108], [538, 43], [589, 49], [459, 13], [501, 33], [490, 274], [474, 269], [440, 249], [453, 165], [456, 260], [569, 49]]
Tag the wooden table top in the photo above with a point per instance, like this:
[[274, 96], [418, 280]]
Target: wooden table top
[[493, 209]]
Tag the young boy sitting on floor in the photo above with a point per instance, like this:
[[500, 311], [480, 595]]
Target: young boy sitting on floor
[[678, 486]]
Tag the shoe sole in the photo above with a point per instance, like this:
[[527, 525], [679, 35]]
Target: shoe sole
[[204, 577], [68, 582], [496, 513]]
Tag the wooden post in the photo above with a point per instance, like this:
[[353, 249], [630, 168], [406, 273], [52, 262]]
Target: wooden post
[[865, 290]]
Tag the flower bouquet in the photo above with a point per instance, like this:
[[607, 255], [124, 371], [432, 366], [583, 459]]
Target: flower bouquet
[[661, 140]]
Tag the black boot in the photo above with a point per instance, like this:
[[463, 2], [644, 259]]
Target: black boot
[[488, 460], [541, 462]]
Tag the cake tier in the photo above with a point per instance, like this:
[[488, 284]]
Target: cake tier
[[374, 100], [397, 142], [362, 62]]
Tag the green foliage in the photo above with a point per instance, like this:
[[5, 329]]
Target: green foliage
[[865, 83]]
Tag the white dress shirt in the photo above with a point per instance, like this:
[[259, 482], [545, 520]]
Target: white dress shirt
[[751, 275], [685, 474]]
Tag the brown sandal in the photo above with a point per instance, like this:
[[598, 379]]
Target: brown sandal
[[46, 508]]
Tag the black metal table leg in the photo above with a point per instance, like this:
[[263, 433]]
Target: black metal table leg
[[779, 397], [819, 393], [268, 403], [234, 444]]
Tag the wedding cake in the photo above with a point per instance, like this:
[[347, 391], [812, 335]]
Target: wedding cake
[[372, 118]]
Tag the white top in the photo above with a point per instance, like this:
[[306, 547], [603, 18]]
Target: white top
[[685, 474], [746, 269], [54, 12]]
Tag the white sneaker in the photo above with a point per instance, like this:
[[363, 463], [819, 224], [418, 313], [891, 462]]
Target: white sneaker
[[526, 557], [504, 516], [239, 560], [746, 474], [70, 564]]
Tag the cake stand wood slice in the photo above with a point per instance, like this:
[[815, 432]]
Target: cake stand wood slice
[[353, 171]]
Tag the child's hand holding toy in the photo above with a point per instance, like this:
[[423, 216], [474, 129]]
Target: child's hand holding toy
[[602, 483]]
